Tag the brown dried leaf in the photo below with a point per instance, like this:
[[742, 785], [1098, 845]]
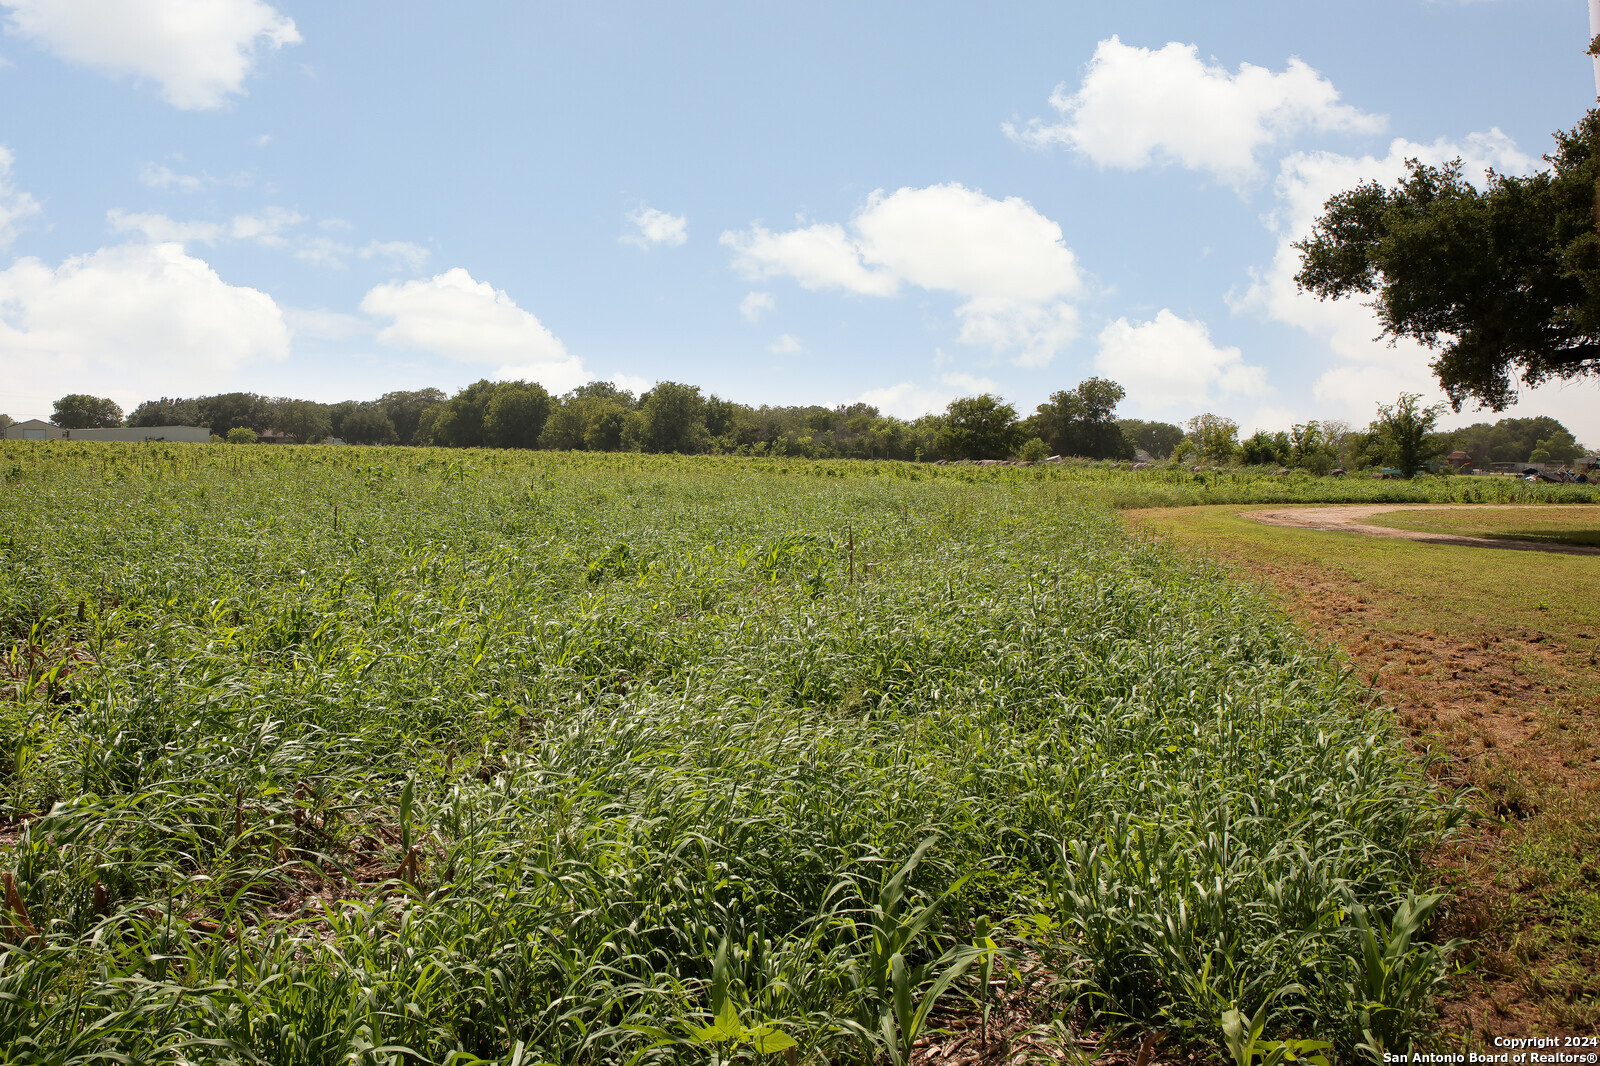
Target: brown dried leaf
[[17, 926]]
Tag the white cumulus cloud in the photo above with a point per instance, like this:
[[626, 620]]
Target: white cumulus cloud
[[822, 256], [756, 304], [271, 227], [399, 255], [164, 177], [1005, 260], [456, 316], [315, 323], [909, 399], [656, 227], [788, 344], [630, 383], [198, 51], [1139, 105], [15, 205], [160, 176], [1169, 364], [145, 318], [153, 226], [323, 251], [266, 227]]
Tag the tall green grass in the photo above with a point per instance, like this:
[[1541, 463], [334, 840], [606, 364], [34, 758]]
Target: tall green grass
[[408, 756]]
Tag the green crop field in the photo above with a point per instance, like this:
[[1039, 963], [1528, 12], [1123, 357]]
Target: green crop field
[[314, 755]]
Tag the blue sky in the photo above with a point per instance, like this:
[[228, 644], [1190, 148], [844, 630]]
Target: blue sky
[[782, 203]]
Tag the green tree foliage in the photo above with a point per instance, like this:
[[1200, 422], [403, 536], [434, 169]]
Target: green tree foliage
[[368, 424], [302, 421], [1083, 421], [81, 411], [1033, 450], [406, 410], [1504, 283], [854, 431], [1310, 449], [515, 415], [230, 410], [978, 427], [337, 413], [240, 435], [1510, 440], [167, 411], [459, 423], [1266, 449], [427, 419], [1214, 437], [1403, 430], [1158, 439], [597, 417], [1363, 449], [604, 390], [1560, 448], [568, 424], [220, 413], [673, 418], [731, 426], [6, 421], [589, 423]]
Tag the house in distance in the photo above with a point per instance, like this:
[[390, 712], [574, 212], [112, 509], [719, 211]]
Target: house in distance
[[37, 429]]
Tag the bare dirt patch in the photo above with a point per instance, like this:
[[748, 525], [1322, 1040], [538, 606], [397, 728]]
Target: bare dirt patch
[[1348, 518]]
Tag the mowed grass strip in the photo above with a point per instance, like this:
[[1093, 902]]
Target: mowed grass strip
[[1491, 658], [320, 755], [1555, 525]]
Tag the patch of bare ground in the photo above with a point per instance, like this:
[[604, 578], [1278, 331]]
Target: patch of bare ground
[[11, 829], [1350, 518]]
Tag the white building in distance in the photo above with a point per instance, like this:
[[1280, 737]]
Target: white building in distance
[[36, 429]]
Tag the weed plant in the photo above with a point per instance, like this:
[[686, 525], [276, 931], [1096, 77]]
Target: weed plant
[[319, 756]]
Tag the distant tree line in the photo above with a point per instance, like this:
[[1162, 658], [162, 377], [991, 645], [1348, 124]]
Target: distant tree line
[[670, 417], [1402, 437], [675, 417]]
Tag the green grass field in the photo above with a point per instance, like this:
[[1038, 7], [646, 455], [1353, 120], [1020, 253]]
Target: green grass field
[[1563, 525], [339, 755]]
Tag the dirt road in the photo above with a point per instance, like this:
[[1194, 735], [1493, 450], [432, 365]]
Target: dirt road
[[1349, 518]]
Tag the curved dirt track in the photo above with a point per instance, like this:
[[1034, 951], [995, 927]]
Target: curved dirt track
[[1348, 518]]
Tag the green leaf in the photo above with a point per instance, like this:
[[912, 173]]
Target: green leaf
[[1233, 1034], [902, 992], [720, 1033], [769, 1041], [719, 979]]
